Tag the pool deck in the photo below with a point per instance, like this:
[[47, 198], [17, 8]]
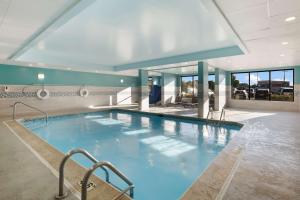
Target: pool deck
[[261, 162]]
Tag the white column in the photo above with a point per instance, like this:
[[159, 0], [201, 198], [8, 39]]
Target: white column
[[203, 100], [220, 89], [168, 88], [144, 90]]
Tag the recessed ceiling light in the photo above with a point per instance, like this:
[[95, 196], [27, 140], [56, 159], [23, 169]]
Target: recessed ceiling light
[[289, 19], [41, 45], [282, 55], [284, 43]]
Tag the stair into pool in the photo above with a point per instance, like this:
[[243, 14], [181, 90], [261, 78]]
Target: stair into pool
[[52, 158]]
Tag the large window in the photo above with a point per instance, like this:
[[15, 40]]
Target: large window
[[189, 85], [282, 85], [211, 82], [240, 86], [275, 85]]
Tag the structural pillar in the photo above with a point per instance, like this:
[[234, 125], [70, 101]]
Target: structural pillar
[[203, 99], [178, 85], [144, 90], [168, 88], [220, 89]]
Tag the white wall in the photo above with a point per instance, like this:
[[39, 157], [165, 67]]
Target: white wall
[[168, 87], [64, 98]]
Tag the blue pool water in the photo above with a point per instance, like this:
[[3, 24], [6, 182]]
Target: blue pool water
[[163, 156]]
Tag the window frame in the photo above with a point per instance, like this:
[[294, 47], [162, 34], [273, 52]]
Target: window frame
[[193, 94], [193, 81], [270, 77]]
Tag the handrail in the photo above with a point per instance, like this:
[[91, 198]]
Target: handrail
[[113, 169], [210, 111], [123, 192], [222, 114], [34, 108], [61, 193]]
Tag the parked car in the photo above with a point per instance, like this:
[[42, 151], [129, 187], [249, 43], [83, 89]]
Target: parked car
[[240, 94], [252, 92], [286, 91], [262, 94]]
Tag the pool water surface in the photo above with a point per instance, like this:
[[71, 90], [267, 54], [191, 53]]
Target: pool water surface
[[161, 155]]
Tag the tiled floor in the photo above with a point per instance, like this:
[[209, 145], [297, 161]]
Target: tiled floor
[[22, 174], [269, 165], [267, 168]]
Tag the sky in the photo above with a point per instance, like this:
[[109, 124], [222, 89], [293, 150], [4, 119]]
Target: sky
[[260, 76], [255, 76]]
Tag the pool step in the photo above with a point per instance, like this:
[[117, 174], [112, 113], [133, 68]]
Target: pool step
[[51, 157], [87, 185]]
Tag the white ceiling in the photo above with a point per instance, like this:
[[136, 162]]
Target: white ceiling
[[261, 26], [110, 33], [20, 19], [151, 29]]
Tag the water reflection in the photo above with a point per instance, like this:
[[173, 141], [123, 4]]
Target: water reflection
[[169, 127], [126, 118], [145, 122], [168, 146]]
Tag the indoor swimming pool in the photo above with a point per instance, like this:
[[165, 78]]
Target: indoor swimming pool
[[161, 155]]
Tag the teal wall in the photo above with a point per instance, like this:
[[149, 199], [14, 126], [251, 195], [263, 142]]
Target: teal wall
[[156, 80], [178, 81], [18, 75], [143, 78], [228, 78], [297, 74]]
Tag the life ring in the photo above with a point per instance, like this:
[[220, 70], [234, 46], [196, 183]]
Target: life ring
[[84, 92], [43, 94]]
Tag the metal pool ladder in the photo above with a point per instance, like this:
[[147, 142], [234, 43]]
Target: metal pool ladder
[[211, 112], [103, 165], [34, 108], [222, 114]]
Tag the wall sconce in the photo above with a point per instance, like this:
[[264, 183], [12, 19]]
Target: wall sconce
[[41, 76]]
